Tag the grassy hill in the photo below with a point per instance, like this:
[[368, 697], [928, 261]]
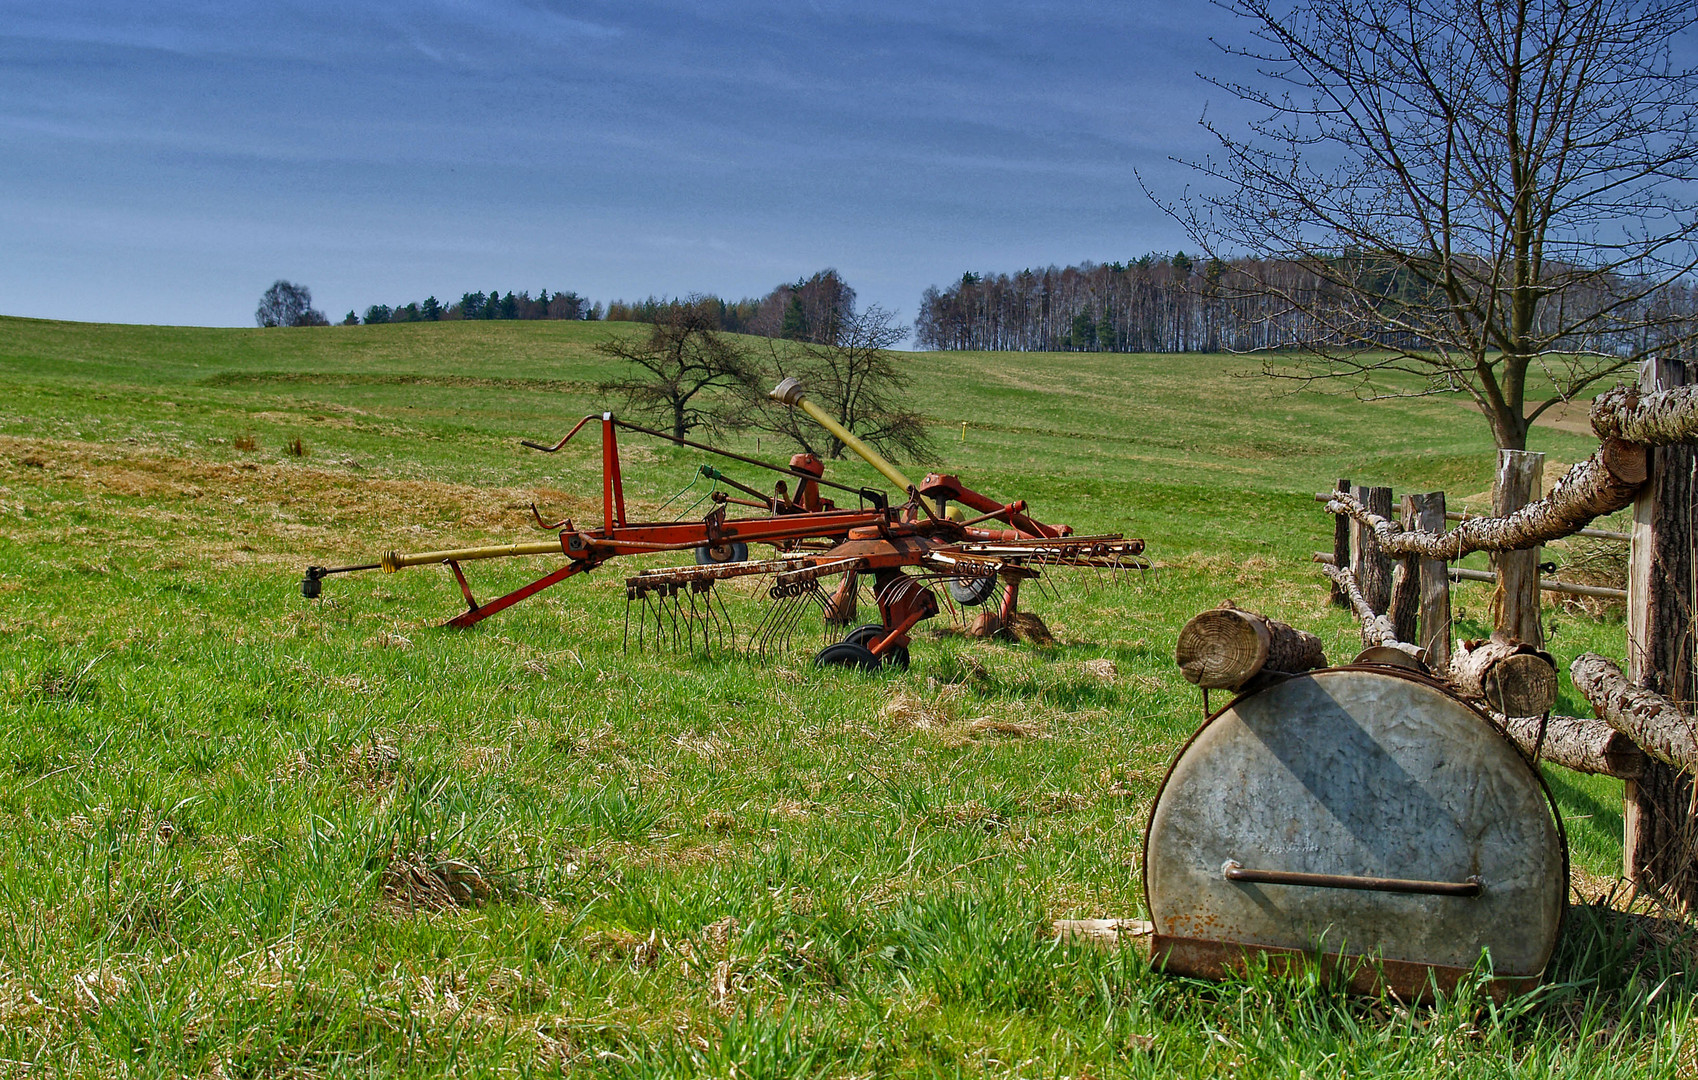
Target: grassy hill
[[222, 800]]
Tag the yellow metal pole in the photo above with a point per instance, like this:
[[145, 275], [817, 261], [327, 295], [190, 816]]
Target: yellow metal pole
[[789, 392], [393, 561]]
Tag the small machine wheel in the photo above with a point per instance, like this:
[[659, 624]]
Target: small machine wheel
[[864, 636], [972, 591], [845, 654], [736, 551]]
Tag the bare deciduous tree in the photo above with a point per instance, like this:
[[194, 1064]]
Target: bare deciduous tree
[[682, 367], [288, 304], [857, 379], [1477, 192]]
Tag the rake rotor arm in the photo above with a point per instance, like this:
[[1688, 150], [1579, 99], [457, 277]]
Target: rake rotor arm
[[789, 392]]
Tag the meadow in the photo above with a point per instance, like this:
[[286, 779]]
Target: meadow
[[247, 834]]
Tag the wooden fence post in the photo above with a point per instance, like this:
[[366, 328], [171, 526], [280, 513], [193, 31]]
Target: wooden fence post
[[1341, 546], [1405, 582], [1371, 567], [1435, 585], [1661, 829], [1515, 604]]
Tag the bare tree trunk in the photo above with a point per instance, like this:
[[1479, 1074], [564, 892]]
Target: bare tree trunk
[[1376, 628], [1515, 601], [1342, 527], [1661, 841], [1652, 721]]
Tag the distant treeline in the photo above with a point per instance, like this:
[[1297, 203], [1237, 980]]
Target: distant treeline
[[810, 309], [1157, 303], [1162, 303], [478, 305]]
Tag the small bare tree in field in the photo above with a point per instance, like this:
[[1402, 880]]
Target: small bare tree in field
[[855, 377], [1477, 192], [687, 375]]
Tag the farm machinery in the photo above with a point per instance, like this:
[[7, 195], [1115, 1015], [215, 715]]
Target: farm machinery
[[941, 532]]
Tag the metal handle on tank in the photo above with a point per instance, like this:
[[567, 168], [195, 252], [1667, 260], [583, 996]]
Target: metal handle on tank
[[1232, 870]]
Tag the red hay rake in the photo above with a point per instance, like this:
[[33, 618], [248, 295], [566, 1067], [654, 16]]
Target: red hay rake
[[821, 553]]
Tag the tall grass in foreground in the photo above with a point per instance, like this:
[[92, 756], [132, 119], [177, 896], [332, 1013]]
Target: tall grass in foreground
[[245, 835]]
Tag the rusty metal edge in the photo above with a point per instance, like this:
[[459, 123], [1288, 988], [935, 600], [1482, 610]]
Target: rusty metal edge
[[1409, 981], [1275, 679]]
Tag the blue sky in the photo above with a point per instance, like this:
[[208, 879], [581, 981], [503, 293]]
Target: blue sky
[[165, 162]]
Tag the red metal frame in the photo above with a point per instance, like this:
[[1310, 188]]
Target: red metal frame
[[881, 541]]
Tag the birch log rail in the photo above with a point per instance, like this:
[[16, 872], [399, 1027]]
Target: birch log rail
[[1225, 647], [1602, 484], [1651, 720], [1376, 628], [1658, 418]]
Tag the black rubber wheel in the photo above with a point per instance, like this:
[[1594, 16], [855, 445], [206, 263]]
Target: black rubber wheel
[[736, 551], [843, 654], [864, 636], [972, 591]]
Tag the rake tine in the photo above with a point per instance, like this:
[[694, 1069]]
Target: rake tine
[[695, 619], [719, 622]]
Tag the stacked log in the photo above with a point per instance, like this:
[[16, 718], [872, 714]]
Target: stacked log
[[1224, 648], [1512, 678]]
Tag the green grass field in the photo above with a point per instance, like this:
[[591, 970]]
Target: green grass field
[[218, 797]]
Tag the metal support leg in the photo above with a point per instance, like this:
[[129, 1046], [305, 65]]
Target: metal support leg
[[478, 614]]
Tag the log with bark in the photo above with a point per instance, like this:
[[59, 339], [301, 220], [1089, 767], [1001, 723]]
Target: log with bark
[[1575, 742], [1511, 677], [1226, 647], [1651, 720], [1602, 484], [1658, 418]]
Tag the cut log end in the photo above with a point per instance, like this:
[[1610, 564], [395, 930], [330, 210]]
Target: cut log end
[[1511, 677], [1222, 649], [1524, 685]]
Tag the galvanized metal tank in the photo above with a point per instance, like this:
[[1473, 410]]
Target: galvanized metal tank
[[1351, 813]]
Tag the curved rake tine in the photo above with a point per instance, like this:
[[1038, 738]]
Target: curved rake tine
[[822, 602], [793, 615]]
